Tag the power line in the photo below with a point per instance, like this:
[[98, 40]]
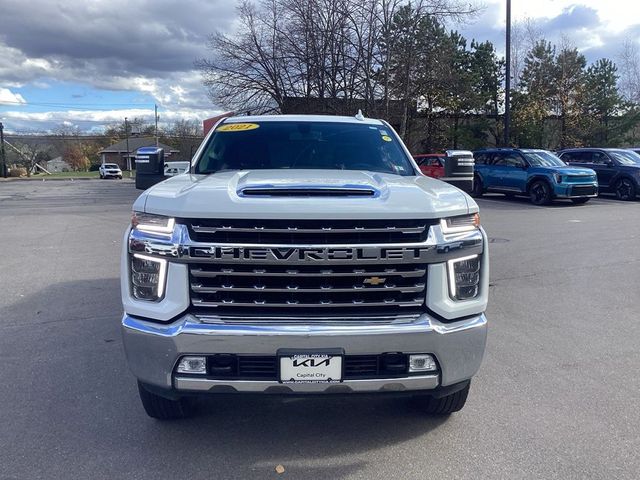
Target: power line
[[77, 106]]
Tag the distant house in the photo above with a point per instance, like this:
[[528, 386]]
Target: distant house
[[57, 165], [117, 153]]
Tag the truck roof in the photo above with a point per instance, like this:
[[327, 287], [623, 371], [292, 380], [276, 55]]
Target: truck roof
[[302, 118]]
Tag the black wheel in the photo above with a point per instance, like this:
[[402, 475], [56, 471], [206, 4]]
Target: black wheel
[[445, 405], [580, 201], [163, 408], [477, 190], [625, 189], [101, 177], [540, 193], [119, 177]]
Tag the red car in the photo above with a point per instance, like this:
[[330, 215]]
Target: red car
[[431, 164]]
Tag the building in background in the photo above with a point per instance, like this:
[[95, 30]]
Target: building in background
[[117, 153], [210, 122]]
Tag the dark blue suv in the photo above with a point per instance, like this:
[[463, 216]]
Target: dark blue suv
[[618, 169], [538, 174]]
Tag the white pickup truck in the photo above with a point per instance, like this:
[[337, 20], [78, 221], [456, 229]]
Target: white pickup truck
[[304, 255]]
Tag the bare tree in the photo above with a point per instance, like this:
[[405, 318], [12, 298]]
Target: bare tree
[[629, 69], [525, 34], [324, 49]]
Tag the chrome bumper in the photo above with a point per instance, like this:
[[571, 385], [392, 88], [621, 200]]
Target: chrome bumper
[[153, 349]]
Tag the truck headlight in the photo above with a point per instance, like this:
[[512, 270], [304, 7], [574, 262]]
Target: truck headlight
[[148, 276], [464, 277], [557, 177], [150, 223], [462, 223]]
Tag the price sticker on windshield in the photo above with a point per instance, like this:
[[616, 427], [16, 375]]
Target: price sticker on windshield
[[237, 127]]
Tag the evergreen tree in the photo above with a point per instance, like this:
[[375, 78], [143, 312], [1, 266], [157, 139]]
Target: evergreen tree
[[569, 94], [603, 106]]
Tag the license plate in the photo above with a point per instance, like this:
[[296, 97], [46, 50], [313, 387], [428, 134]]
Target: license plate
[[311, 368]]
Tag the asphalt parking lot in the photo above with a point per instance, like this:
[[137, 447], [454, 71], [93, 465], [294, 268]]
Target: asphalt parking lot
[[557, 395]]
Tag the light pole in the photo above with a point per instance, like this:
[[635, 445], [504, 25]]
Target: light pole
[[4, 159], [507, 80], [126, 133]]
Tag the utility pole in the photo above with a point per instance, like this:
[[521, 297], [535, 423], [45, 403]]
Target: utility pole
[[126, 133], [155, 108], [4, 159], [507, 81]]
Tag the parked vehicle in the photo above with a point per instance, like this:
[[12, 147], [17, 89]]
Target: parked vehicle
[[175, 168], [294, 260], [431, 164], [539, 174], [455, 167], [107, 170], [618, 169]]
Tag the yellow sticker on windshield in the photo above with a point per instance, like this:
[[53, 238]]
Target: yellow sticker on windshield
[[386, 138], [237, 127]]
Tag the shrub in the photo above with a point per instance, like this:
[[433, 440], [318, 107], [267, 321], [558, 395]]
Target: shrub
[[18, 172]]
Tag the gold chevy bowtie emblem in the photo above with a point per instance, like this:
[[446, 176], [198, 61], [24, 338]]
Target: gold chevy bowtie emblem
[[375, 280]]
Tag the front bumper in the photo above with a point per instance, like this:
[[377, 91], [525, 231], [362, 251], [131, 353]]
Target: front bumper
[[576, 190], [153, 349]]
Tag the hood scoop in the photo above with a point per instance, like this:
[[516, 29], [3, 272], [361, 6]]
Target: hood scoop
[[308, 191]]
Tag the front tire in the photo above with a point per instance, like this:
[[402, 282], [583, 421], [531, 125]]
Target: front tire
[[445, 405], [163, 408], [540, 193], [625, 189], [101, 177], [477, 190]]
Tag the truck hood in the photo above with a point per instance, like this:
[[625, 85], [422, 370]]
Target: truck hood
[[568, 170], [222, 195]]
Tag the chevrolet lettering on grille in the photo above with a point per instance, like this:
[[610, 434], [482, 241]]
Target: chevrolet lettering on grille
[[297, 255]]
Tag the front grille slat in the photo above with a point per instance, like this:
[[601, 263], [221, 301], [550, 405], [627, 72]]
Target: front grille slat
[[255, 230], [416, 302], [309, 232], [200, 272], [407, 289]]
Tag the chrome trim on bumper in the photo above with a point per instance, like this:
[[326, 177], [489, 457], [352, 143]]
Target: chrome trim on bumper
[[426, 382]]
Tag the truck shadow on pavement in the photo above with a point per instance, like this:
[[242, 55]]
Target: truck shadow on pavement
[[72, 396]]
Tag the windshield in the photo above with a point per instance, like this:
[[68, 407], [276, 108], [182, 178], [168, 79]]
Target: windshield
[[110, 165], [313, 145], [625, 157], [543, 159]]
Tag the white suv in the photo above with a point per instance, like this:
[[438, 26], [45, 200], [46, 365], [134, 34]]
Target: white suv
[[110, 170]]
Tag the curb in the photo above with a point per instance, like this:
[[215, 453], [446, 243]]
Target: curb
[[66, 179]]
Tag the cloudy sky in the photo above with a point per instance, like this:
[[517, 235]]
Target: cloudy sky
[[93, 62]]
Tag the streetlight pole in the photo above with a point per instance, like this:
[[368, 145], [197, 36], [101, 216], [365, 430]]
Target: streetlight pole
[[4, 159], [126, 133], [155, 116], [507, 80]]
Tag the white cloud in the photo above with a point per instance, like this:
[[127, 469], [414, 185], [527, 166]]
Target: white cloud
[[10, 98], [96, 120]]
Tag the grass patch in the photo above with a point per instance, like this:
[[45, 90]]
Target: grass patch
[[68, 175]]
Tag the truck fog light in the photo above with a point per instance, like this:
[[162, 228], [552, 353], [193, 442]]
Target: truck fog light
[[192, 365], [422, 363], [464, 277], [148, 277]]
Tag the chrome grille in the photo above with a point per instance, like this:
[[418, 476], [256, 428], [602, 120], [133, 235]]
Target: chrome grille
[[310, 289], [310, 232]]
